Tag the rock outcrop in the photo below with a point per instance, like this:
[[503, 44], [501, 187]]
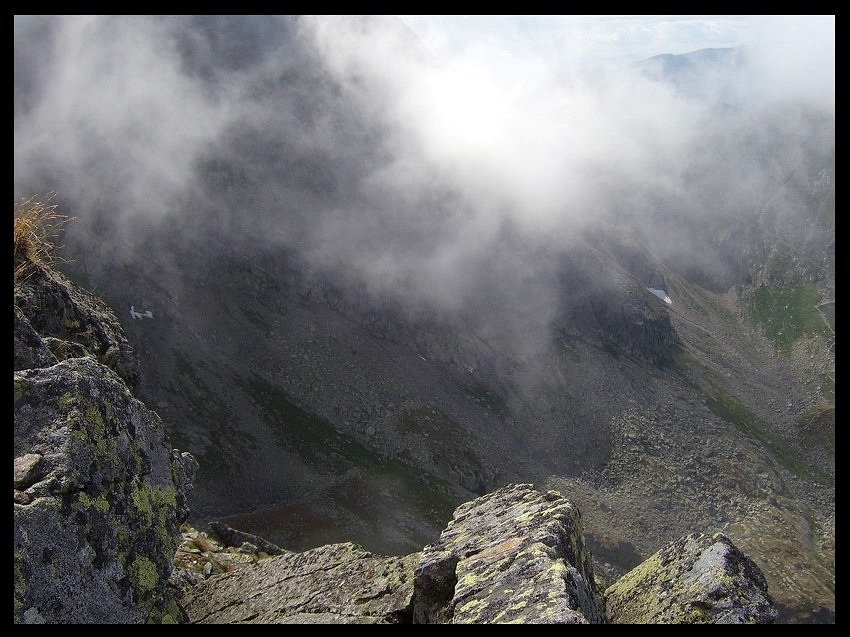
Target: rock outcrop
[[513, 556], [332, 584], [99, 495], [72, 322], [698, 579], [516, 555]]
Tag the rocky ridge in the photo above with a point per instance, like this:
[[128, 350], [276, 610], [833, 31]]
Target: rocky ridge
[[100, 498], [516, 555]]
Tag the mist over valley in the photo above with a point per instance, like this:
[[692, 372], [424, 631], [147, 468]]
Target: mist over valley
[[367, 281]]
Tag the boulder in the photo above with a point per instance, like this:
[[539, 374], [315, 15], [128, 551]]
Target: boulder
[[697, 579], [99, 494]]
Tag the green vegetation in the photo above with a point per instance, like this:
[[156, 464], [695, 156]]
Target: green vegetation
[[787, 314], [101, 503], [817, 426], [733, 411], [144, 575]]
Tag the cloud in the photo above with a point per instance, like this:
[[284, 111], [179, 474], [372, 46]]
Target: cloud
[[793, 57], [113, 114], [511, 134], [405, 161]]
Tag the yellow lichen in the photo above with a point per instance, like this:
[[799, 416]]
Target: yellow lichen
[[66, 400], [144, 574], [468, 579]]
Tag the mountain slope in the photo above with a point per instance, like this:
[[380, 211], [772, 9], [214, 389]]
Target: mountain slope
[[352, 340]]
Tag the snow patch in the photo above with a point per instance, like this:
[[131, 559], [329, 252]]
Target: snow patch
[[661, 294]]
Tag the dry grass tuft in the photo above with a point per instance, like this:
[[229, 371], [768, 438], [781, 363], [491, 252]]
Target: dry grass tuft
[[37, 227]]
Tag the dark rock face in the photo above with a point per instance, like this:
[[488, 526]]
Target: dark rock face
[[515, 555], [72, 321], [30, 350], [621, 315], [99, 494]]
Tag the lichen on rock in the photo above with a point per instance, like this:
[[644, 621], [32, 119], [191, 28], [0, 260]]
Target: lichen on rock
[[697, 579], [99, 493]]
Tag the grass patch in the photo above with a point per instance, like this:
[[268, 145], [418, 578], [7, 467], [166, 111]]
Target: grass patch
[[732, 411], [787, 314], [817, 426], [828, 311]]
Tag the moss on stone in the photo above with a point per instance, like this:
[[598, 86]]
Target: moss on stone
[[101, 503], [20, 388], [96, 418], [172, 614], [696, 614], [642, 570], [559, 567], [66, 400], [472, 605], [156, 504], [468, 579], [144, 575]]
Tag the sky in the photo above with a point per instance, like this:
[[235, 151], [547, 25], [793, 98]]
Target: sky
[[804, 45], [523, 118], [585, 40]]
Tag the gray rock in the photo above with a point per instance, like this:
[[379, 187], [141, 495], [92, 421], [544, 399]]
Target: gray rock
[[513, 556], [98, 493], [698, 579], [233, 537], [332, 584], [30, 349], [27, 470], [77, 320], [96, 541]]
